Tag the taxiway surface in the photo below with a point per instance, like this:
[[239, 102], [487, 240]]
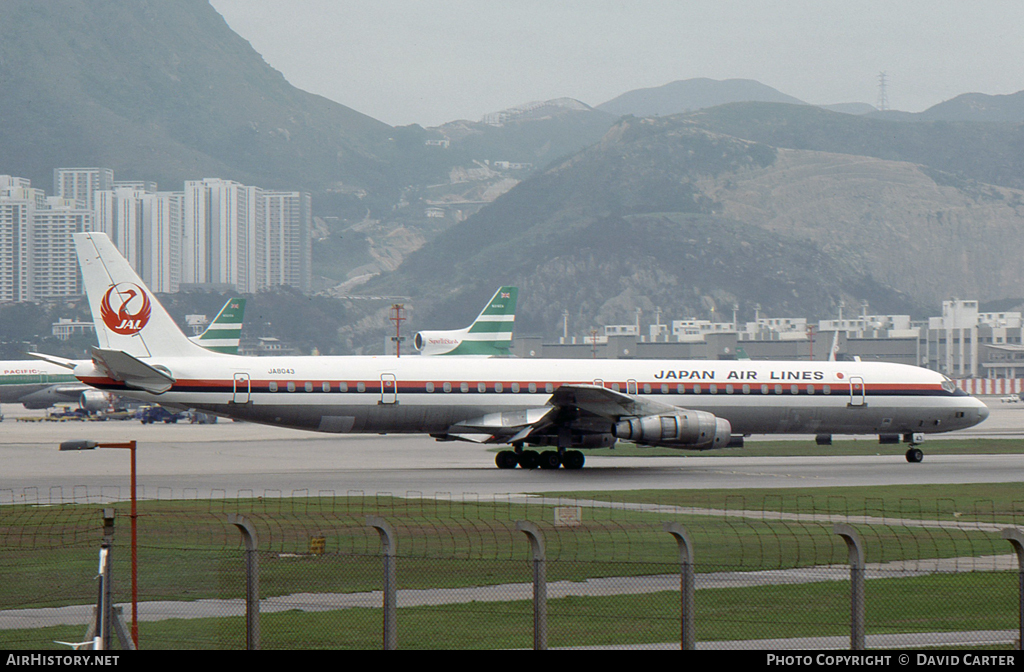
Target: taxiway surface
[[234, 459]]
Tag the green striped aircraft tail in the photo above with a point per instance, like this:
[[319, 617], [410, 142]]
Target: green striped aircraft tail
[[225, 331], [490, 334]]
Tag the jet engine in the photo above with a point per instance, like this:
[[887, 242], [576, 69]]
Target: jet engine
[[93, 400], [438, 342], [687, 429]]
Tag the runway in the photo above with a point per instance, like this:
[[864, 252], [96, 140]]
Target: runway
[[233, 459]]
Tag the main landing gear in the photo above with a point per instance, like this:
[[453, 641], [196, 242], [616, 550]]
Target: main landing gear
[[531, 459], [915, 454]]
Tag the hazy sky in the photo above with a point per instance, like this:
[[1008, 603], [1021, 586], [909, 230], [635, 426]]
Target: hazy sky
[[432, 61]]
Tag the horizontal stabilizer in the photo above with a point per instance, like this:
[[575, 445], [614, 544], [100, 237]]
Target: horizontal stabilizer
[[59, 361], [131, 371]]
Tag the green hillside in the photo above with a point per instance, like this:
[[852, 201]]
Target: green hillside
[[665, 212]]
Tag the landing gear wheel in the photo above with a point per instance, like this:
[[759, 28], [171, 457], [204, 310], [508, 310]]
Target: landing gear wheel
[[573, 459], [528, 459], [550, 459], [915, 455], [506, 459]]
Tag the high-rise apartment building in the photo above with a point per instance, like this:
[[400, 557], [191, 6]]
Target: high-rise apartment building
[[53, 264], [220, 225], [81, 183], [146, 228], [15, 217], [286, 257]]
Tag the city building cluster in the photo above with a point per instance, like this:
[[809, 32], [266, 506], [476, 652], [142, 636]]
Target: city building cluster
[[964, 342], [213, 233]]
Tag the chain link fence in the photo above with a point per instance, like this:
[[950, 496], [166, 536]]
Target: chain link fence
[[768, 573]]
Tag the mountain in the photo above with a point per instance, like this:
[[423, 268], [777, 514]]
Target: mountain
[[672, 213], [979, 107], [165, 91], [964, 151], [692, 94], [850, 108]]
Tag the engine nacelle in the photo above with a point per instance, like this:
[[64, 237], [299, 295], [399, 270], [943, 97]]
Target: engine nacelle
[[687, 429], [437, 342], [93, 401]]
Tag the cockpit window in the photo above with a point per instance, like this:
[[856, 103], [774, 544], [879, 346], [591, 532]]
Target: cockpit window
[[949, 386]]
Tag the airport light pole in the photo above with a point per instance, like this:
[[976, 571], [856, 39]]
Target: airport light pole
[[130, 445]]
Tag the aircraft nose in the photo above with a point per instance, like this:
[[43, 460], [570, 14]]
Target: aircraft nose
[[982, 411]]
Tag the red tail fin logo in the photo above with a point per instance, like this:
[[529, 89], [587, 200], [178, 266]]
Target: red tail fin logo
[[132, 312]]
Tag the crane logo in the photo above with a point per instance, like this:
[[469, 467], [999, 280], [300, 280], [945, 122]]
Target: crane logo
[[132, 312]]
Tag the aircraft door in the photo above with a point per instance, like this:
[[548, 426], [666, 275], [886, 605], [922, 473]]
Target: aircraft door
[[241, 388], [857, 393], [388, 389]]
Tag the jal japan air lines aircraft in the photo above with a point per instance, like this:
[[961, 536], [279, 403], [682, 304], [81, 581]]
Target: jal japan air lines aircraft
[[525, 403]]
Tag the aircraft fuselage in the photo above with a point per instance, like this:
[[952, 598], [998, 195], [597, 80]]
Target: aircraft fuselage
[[429, 395]]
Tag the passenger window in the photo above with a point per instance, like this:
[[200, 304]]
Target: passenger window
[[728, 389], [549, 388], [746, 388], [664, 389], [696, 389], [291, 386], [481, 387], [810, 389], [447, 387], [515, 388], [713, 389], [826, 389], [343, 387], [360, 387], [273, 386], [794, 389], [778, 389], [615, 387], [498, 387], [764, 389], [430, 387], [326, 387], [464, 387], [647, 388], [308, 387], [680, 388], [532, 387]]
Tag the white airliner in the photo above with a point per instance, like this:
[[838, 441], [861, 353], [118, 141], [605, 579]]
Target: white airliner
[[45, 381], [564, 404]]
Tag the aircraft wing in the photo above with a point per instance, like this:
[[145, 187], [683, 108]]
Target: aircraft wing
[[132, 371], [603, 406], [605, 403]]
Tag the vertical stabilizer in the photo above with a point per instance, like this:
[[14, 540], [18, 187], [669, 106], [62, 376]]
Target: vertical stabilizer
[[225, 332], [127, 315]]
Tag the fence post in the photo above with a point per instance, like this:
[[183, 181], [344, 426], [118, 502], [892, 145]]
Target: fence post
[[106, 611], [540, 585], [687, 635], [389, 544], [856, 554], [252, 581], [1016, 539]]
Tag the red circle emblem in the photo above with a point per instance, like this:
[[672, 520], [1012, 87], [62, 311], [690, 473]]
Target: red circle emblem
[[132, 311], [839, 376]]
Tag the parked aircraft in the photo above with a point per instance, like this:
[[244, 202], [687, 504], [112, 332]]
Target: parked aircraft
[[489, 335], [41, 383], [564, 404]]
